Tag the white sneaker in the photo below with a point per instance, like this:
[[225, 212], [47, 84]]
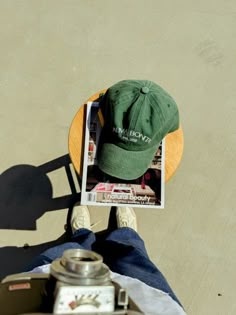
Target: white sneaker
[[126, 217], [80, 218]]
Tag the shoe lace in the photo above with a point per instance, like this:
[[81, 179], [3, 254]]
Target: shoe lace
[[124, 220], [79, 221]]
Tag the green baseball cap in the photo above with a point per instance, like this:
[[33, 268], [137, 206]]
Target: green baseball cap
[[138, 114]]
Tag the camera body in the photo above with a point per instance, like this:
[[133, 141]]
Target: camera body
[[79, 283], [83, 283]]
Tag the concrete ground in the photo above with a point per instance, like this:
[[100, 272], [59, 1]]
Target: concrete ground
[[54, 55]]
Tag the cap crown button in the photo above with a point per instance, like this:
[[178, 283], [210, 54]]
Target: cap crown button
[[144, 89]]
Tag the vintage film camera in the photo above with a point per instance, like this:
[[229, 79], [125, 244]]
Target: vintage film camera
[[79, 283]]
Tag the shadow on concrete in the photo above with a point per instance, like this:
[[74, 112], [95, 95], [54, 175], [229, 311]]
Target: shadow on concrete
[[26, 194], [15, 259]]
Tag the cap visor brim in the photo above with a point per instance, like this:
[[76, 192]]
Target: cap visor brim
[[124, 164]]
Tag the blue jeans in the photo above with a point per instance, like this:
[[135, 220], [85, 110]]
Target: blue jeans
[[123, 252]]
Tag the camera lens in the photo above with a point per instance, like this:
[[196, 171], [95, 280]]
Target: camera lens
[[79, 265], [81, 261]]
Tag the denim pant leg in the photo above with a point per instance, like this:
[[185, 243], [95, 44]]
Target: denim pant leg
[[82, 239], [124, 252]]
